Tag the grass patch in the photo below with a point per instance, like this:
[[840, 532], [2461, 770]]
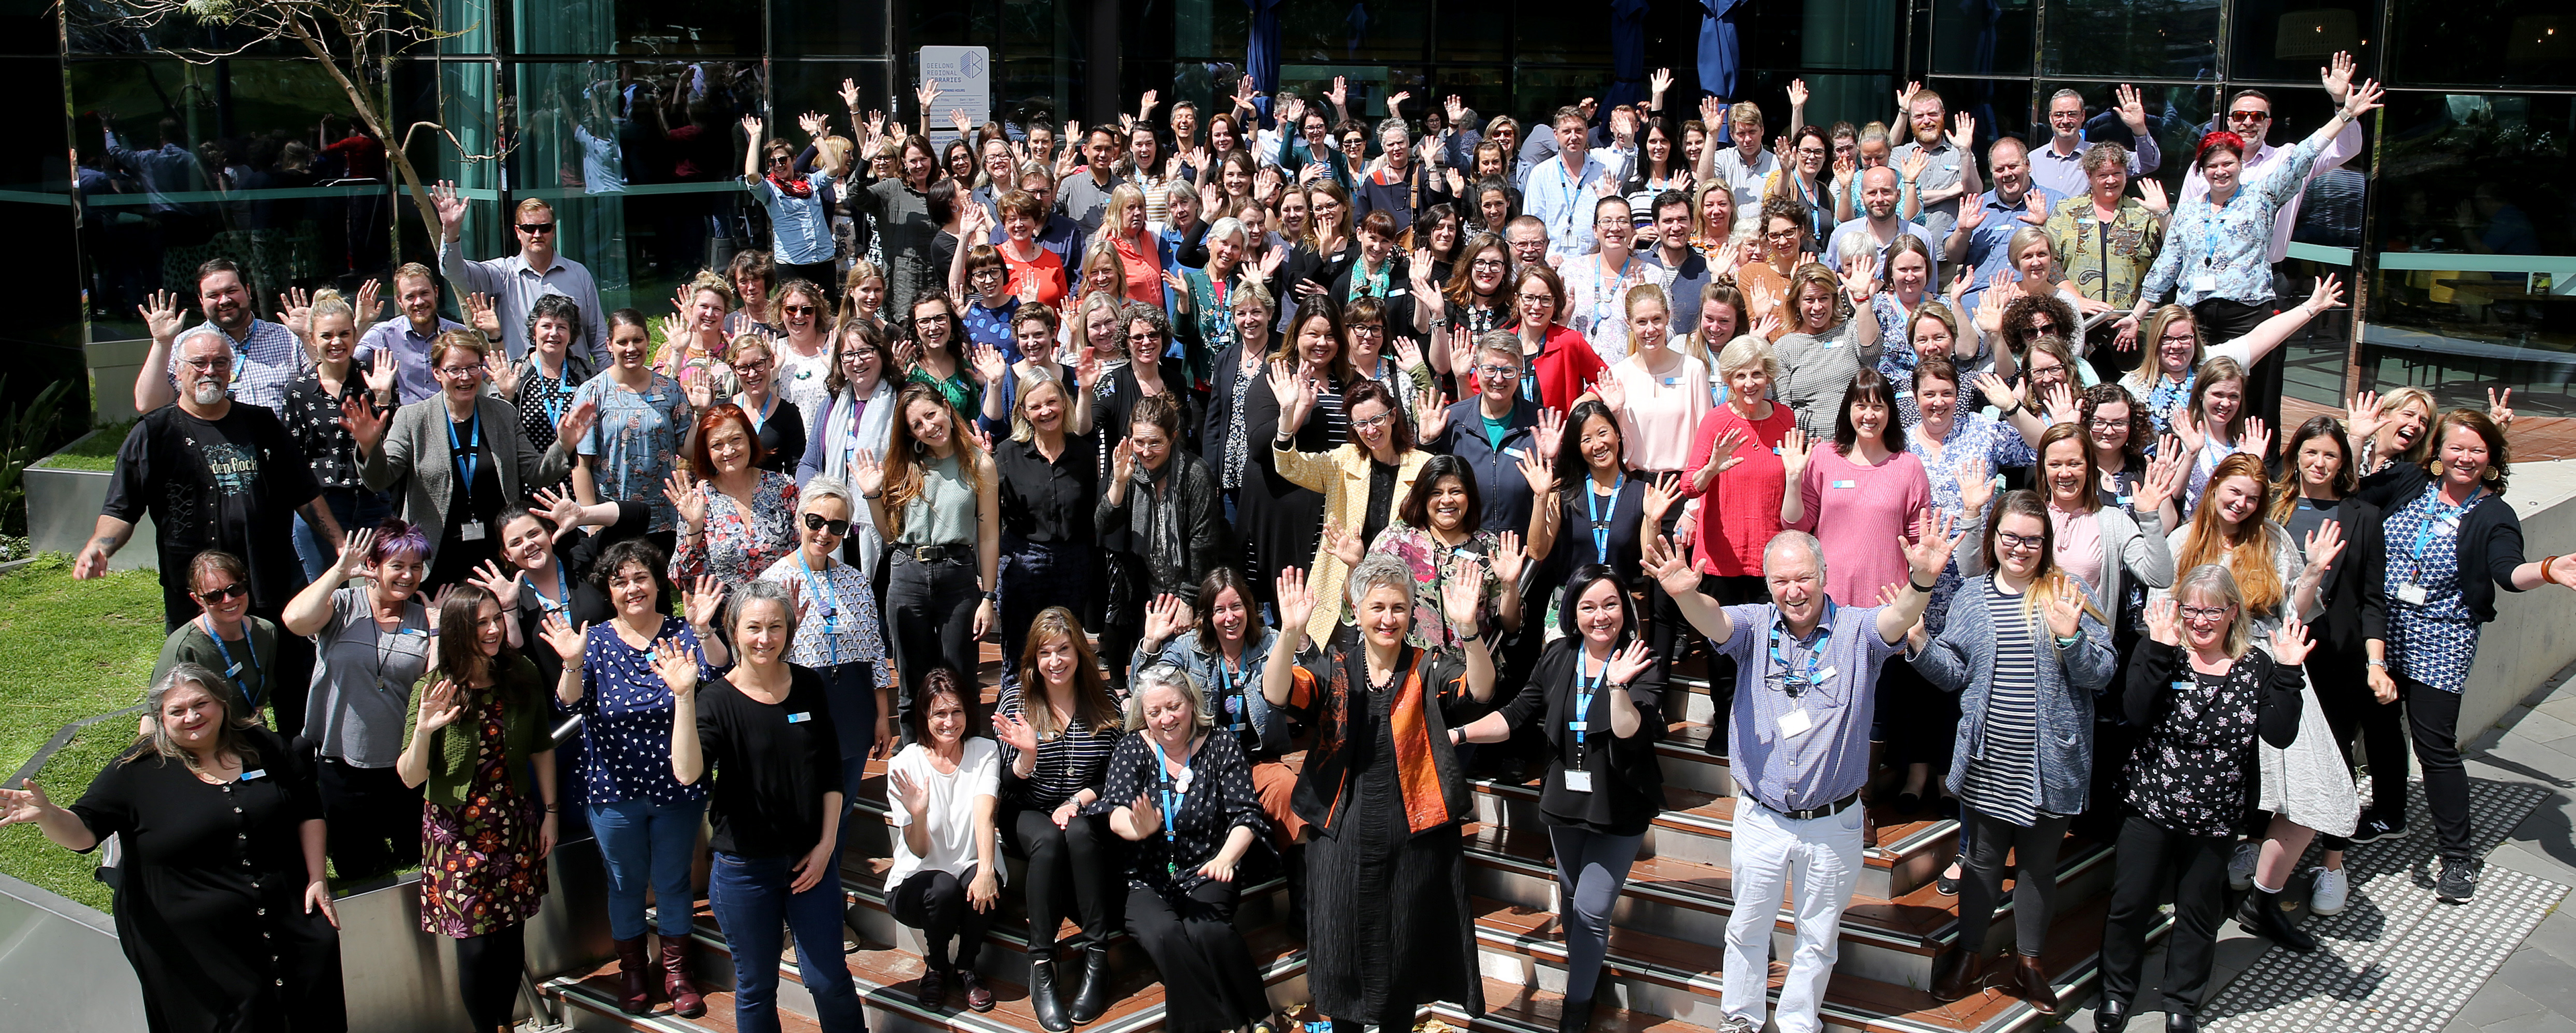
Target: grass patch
[[95, 452], [69, 650]]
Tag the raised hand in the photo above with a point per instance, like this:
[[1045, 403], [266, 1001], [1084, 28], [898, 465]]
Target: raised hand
[[2066, 612], [867, 472], [1661, 494], [2151, 194], [2327, 297], [1668, 565], [1722, 454], [1122, 461], [451, 208], [1860, 278], [2164, 621], [1794, 454], [850, 94], [1990, 311], [1507, 557], [1167, 616], [1539, 472], [1462, 598], [928, 94], [2133, 110], [439, 707], [1976, 487], [560, 636], [1963, 131], [1296, 600], [702, 601], [1905, 97], [559, 509], [1296, 398], [1432, 408], [990, 365], [1340, 94], [1610, 391], [2258, 438], [2034, 209], [161, 315], [2162, 483], [1551, 435], [2336, 76], [2362, 416], [577, 422], [2500, 407], [813, 123], [1935, 534], [2323, 545], [503, 587], [2362, 100], [297, 314], [2061, 404], [913, 795], [2290, 641], [1342, 545], [1914, 165], [503, 373], [681, 491], [362, 420], [1014, 731]]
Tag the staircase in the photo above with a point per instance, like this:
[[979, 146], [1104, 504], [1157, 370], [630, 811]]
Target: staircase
[[1666, 945]]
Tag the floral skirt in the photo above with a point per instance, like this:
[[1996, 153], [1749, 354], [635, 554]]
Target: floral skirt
[[479, 866]]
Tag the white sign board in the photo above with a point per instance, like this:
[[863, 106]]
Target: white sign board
[[965, 78]]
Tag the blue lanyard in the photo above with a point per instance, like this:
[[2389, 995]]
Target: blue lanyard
[[2441, 513], [250, 658], [562, 584], [1230, 685], [468, 453], [831, 605], [1795, 684], [1586, 684], [1172, 802], [762, 417], [1601, 527]]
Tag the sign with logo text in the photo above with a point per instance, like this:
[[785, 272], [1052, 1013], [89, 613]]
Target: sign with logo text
[[964, 76]]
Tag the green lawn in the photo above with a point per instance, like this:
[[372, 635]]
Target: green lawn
[[94, 452], [69, 650]]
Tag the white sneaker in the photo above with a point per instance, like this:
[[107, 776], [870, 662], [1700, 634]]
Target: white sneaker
[[2240, 868], [2332, 891]]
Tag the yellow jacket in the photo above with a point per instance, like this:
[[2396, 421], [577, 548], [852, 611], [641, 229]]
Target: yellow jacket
[[1343, 476]]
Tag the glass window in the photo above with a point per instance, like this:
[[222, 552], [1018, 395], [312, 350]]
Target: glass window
[[1472, 30], [96, 27], [801, 86], [1312, 32], [1041, 63], [805, 27], [1984, 37], [638, 27], [2001, 106], [2538, 43], [2175, 125], [2289, 40], [1551, 32], [2110, 38]]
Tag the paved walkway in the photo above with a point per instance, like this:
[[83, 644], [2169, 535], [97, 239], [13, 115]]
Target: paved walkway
[[2526, 765]]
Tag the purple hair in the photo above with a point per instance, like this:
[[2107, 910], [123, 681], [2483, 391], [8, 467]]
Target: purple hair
[[396, 535]]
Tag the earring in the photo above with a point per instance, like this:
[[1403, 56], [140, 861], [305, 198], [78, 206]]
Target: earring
[[2435, 466], [2492, 475]]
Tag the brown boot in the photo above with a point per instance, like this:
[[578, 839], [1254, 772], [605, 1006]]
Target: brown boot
[[2033, 981], [1955, 973], [685, 1001], [634, 981]]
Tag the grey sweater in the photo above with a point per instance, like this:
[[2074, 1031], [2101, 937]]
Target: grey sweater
[[1962, 660]]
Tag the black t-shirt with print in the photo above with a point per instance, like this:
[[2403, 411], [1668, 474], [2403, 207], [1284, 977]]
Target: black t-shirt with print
[[231, 483]]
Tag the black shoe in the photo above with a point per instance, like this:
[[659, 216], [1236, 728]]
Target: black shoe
[[2459, 881], [1573, 1016], [1093, 999], [2265, 914], [932, 991], [2373, 827], [1909, 804], [2110, 1016], [1043, 999], [1956, 973], [2181, 1022], [1946, 885]]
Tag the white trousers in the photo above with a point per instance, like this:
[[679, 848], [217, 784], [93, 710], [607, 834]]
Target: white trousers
[[1818, 861]]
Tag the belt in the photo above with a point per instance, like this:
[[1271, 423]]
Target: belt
[[936, 553], [1812, 813]]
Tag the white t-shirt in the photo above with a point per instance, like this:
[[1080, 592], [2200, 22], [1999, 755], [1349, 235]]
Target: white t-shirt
[[951, 811]]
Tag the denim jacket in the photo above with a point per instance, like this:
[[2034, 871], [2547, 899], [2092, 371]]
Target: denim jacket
[[1268, 722]]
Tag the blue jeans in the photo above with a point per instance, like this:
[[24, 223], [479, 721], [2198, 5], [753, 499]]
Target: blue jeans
[[648, 844], [751, 898], [850, 690], [353, 508]]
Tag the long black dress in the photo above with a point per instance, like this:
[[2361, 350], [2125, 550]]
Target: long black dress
[[1387, 926], [210, 906], [1281, 522]]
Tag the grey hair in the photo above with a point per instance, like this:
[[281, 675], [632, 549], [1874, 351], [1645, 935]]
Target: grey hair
[[1379, 570], [2212, 581], [826, 486], [1746, 351], [1396, 124], [1181, 188], [558, 307], [2064, 92], [1230, 227], [156, 741], [1171, 676], [757, 590], [1798, 540]]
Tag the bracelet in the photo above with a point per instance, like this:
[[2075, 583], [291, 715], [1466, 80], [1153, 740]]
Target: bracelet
[[2544, 571], [2068, 641], [1925, 589], [2381, 664]]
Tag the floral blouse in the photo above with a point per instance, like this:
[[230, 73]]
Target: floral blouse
[[313, 419], [840, 621], [1432, 565], [637, 437], [736, 546], [2193, 770]]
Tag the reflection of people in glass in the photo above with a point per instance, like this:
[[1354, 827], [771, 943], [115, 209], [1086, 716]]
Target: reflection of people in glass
[[2491, 225]]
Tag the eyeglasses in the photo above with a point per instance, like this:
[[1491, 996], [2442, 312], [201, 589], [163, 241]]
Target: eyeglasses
[[2043, 326], [749, 368], [1368, 330], [536, 227], [1354, 141], [459, 372], [1499, 372], [1538, 299], [2204, 613], [1483, 264], [203, 365], [989, 274], [860, 355], [2011, 542], [2101, 424], [2248, 116], [797, 310], [235, 590], [2183, 338], [815, 522], [1373, 422]]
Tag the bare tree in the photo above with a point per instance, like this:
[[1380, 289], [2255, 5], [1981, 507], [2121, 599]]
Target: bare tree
[[353, 40]]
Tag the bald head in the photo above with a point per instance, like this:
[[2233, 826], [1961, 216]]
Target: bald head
[[1878, 192]]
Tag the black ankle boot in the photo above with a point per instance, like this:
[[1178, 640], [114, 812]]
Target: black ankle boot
[[1043, 998], [1575, 1016], [1094, 996], [2262, 915]]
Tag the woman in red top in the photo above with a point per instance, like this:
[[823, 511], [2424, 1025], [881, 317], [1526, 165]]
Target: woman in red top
[[1022, 214], [1558, 363], [1736, 473], [1139, 258]]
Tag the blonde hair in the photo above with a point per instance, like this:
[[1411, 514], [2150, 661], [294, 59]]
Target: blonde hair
[[2212, 580], [1114, 221], [2026, 236]]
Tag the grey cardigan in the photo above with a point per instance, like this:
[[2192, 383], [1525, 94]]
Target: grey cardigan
[[1962, 659], [2132, 544], [415, 455]]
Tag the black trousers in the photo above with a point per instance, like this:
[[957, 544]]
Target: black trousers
[[1076, 865], [2034, 851], [1207, 969], [930, 608], [372, 818], [487, 975], [2433, 716], [2342, 682], [2147, 855], [935, 902], [2220, 321]]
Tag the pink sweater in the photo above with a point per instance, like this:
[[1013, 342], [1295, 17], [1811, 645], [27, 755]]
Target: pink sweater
[[1858, 512]]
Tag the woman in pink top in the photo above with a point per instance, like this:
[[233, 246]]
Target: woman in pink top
[[1858, 495], [1657, 393]]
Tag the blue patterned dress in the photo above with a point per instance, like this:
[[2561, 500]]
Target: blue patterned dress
[[2435, 642]]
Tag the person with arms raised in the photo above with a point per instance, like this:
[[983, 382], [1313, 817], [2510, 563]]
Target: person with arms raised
[[517, 281]]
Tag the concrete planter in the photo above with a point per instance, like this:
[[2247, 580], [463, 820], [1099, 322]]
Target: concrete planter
[[62, 510], [113, 365]]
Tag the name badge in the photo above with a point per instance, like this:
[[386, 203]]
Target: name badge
[[1795, 723], [1824, 676], [1514, 453], [1775, 450], [233, 671], [1578, 726], [253, 773], [1846, 484], [1578, 781], [1905, 394], [471, 531], [798, 719], [2411, 595], [1672, 381], [2204, 283], [2184, 686], [2128, 500], [652, 398]]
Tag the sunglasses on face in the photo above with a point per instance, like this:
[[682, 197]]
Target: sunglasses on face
[[797, 310], [836, 528], [235, 590], [536, 227], [2248, 116]]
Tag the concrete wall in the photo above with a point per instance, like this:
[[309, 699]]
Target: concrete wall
[[60, 967], [2534, 633]]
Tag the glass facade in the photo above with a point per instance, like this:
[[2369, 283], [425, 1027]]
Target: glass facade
[[625, 115]]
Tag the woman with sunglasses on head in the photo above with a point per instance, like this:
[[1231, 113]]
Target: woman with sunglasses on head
[[2026, 648], [2204, 699], [224, 637], [1058, 725], [2453, 541], [798, 202], [460, 456], [740, 517], [644, 418], [1049, 480], [1596, 693], [481, 733], [947, 871], [778, 425]]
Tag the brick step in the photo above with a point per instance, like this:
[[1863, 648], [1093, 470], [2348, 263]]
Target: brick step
[[1888, 940], [1005, 954]]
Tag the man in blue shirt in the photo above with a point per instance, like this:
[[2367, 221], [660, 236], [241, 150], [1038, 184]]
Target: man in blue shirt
[[1987, 224], [1561, 193], [2059, 167], [1806, 685]]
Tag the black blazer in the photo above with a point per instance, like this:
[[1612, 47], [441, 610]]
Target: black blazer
[[1627, 780], [2490, 535], [2354, 590]]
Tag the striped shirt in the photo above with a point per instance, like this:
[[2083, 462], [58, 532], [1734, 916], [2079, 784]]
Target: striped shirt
[[1075, 760], [2002, 781]]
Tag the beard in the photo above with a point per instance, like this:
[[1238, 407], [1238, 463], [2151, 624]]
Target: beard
[[206, 392]]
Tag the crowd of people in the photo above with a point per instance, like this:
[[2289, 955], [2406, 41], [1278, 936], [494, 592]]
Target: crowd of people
[[1423, 449]]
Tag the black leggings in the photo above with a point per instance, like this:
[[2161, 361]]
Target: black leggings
[[2034, 851], [2434, 717], [2343, 688], [1079, 861], [487, 975], [371, 820], [935, 902], [930, 608]]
